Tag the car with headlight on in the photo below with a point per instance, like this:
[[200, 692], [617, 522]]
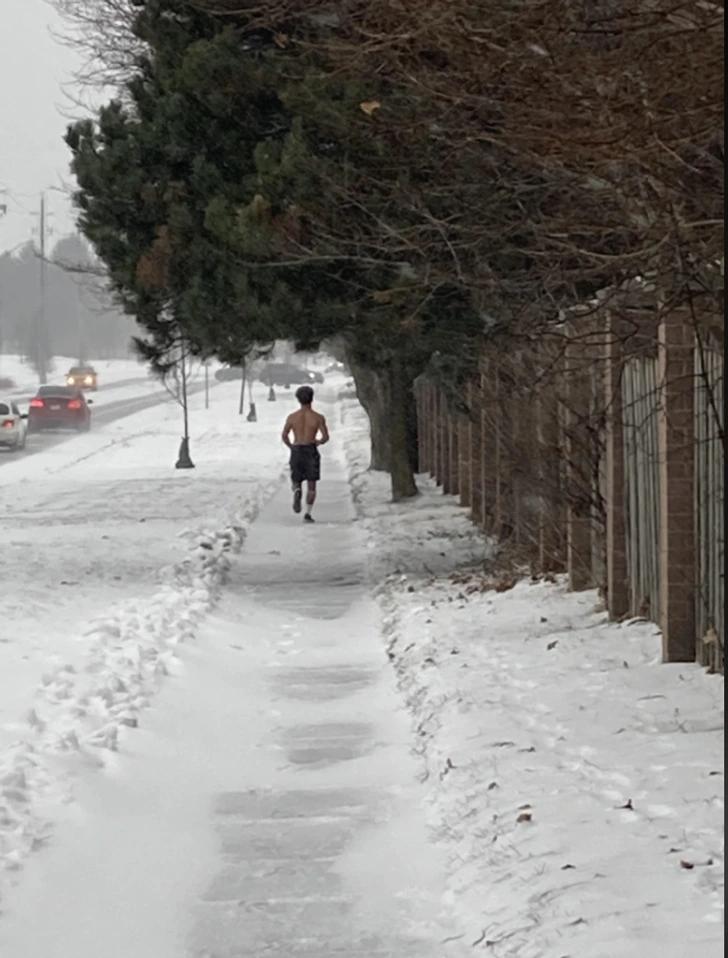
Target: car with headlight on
[[335, 367], [83, 377], [13, 425], [287, 375], [59, 407]]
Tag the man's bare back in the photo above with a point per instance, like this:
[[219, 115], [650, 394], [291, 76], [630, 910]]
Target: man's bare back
[[308, 428]]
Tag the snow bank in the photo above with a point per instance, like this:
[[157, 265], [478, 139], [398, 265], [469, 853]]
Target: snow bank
[[576, 781], [80, 713]]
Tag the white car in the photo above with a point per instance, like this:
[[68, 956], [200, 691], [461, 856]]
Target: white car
[[13, 425]]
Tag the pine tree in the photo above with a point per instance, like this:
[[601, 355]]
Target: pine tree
[[246, 192]]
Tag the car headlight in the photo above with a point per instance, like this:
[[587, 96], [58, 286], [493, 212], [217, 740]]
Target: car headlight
[[88, 380]]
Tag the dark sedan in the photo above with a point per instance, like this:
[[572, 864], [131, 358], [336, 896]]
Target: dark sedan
[[59, 407], [287, 375]]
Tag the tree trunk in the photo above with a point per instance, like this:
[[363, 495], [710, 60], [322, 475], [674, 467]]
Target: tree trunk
[[400, 418], [372, 392]]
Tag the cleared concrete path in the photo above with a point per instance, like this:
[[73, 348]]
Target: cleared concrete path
[[328, 855]]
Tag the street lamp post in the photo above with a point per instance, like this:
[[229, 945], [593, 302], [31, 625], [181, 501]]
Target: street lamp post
[[184, 460]]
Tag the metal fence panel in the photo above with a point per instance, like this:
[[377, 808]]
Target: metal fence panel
[[640, 402], [709, 483]]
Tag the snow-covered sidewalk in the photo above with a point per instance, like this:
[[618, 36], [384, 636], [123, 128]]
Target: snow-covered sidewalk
[[266, 801], [438, 770], [576, 782]]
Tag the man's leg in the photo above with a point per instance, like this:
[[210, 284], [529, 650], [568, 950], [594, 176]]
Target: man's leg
[[310, 499], [297, 496], [296, 479]]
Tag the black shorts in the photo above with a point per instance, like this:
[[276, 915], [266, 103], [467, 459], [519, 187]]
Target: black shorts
[[305, 464]]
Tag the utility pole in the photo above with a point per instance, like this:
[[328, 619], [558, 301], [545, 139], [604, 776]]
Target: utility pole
[[3, 211], [80, 332], [40, 345]]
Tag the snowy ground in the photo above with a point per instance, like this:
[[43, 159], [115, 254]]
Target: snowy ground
[[268, 802], [577, 782], [266, 789], [109, 557]]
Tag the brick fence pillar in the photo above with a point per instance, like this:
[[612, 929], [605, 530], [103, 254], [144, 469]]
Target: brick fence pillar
[[420, 394], [432, 408], [503, 417], [421, 441], [552, 517], [444, 443], [437, 435], [618, 600], [489, 444], [525, 457], [676, 438], [476, 451], [464, 456], [440, 436], [431, 429], [576, 406], [453, 463]]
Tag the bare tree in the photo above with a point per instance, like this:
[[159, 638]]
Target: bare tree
[[102, 31]]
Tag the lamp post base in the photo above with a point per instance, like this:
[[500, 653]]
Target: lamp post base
[[183, 457]]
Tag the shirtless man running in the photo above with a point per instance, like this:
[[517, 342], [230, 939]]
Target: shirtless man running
[[309, 432]]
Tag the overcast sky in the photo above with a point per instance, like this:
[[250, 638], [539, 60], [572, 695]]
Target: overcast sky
[[35, 70]]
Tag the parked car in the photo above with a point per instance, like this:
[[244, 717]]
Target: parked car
[[83, 377], [13, 425], [229, 374], [287, 375], [59, 407]]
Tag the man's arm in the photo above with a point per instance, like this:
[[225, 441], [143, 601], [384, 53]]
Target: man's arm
[[324, 430], [286, 434]]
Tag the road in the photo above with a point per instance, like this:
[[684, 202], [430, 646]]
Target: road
[[22, 397], [100, 416]]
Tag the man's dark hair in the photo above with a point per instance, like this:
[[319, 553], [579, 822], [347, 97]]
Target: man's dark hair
[[304, 394]]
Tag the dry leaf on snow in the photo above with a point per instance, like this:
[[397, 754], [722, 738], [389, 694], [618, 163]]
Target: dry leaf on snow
[[370, 107]]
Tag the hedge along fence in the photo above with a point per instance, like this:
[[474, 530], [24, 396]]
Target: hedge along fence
[[594, 453]]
